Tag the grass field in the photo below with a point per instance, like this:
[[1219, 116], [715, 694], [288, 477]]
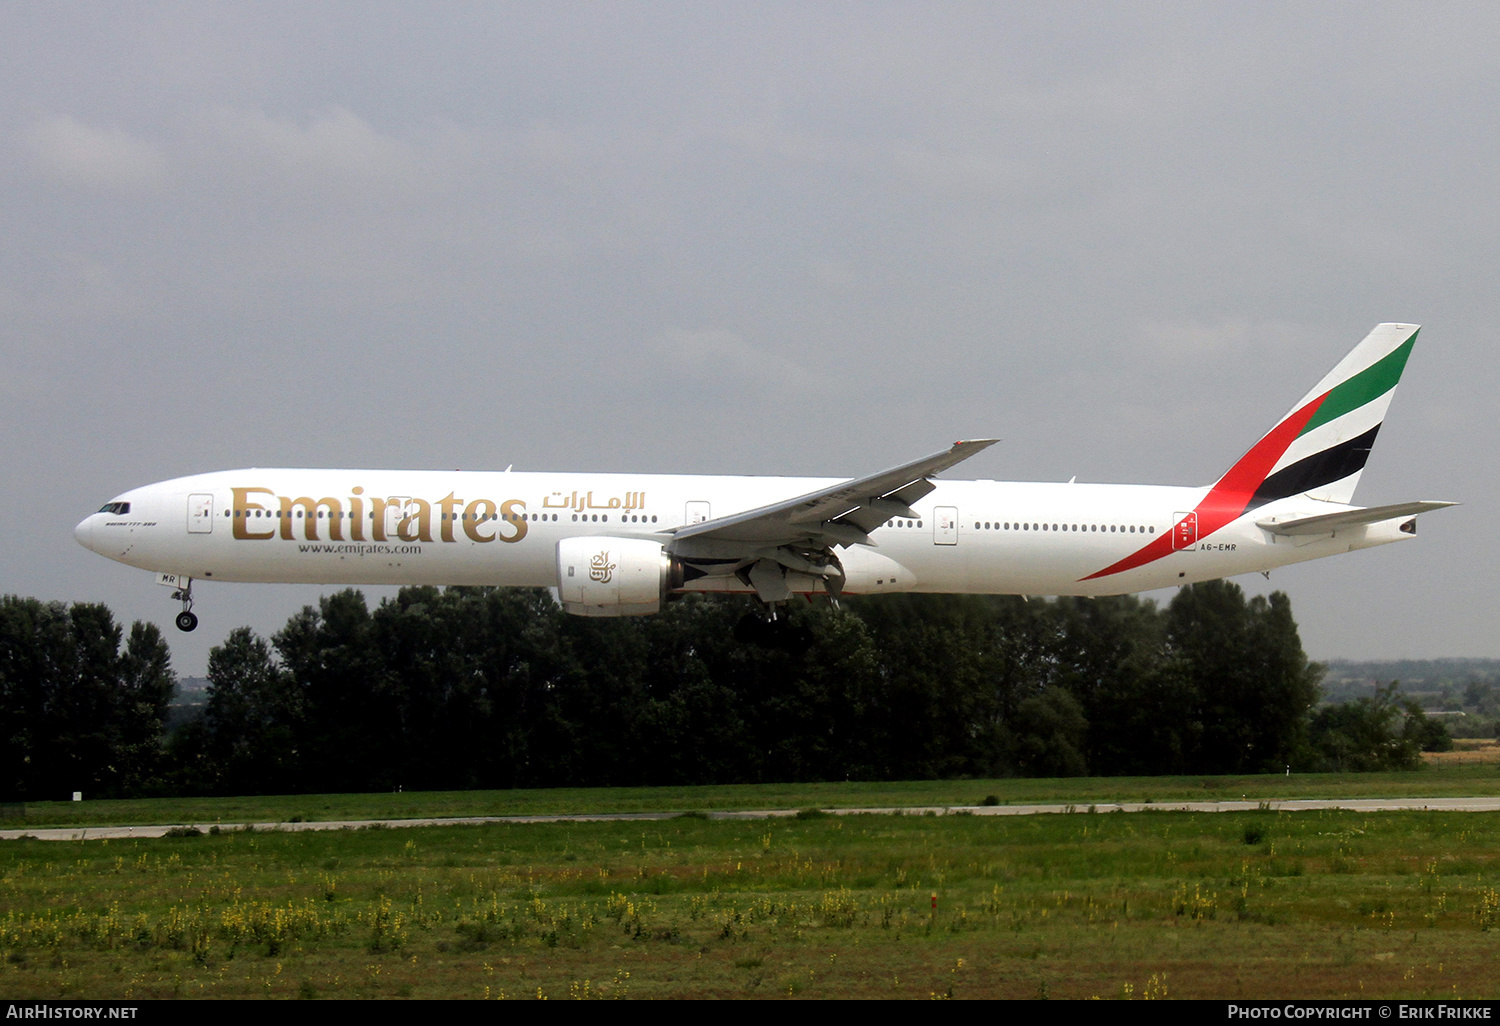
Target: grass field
[[1467, 752], [1461, 774], [1114, 905]]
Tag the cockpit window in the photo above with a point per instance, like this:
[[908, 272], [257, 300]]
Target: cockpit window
[[117, 508]]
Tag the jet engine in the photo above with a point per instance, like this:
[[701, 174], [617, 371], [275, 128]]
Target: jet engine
[[599, 576]]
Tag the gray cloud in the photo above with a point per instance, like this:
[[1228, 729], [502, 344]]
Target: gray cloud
[[74, 153]]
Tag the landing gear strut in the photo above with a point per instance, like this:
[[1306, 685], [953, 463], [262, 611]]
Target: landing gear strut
[[771, 629], [186, 621]]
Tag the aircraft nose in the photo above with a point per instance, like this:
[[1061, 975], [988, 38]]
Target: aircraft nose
[[84, 532]]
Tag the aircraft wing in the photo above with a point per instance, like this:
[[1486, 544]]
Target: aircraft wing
[[1326, 523], [842, 514]]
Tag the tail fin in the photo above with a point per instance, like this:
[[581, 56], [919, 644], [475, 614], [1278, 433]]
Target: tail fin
[[1319, 449]]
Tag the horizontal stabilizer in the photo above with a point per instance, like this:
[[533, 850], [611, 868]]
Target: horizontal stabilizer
[[1325, 523]]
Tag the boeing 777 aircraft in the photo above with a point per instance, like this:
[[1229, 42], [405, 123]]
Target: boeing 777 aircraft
[[622, 544]]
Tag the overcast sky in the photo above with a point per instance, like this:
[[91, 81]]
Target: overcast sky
[[813, 238]]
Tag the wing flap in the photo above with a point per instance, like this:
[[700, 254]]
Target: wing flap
[[842, 514]]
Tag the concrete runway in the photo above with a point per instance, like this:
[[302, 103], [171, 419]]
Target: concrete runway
[[96, 833]]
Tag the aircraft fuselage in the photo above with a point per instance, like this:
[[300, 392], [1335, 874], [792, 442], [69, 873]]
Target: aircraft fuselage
[[478, 528], [622, 544]]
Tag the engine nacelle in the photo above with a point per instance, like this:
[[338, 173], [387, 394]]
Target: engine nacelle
[[599, 576]]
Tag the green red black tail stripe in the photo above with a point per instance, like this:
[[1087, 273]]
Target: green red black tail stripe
[[1254, 480], [1322, 468]]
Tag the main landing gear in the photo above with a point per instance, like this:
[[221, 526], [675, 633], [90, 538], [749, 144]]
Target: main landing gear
[[769, 629], [186, 620]]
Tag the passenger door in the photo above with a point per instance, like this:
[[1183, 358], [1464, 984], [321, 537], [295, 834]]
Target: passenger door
[[945, 525], [1185, 533], [200, 513]]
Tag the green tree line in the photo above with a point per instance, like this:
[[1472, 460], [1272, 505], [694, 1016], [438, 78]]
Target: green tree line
[[492, 688], [81, 705]]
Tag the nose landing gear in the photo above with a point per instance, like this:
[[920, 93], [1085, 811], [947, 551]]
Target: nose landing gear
[[186, 620]]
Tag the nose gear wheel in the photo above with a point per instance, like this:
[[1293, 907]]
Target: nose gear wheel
[[186, 620]]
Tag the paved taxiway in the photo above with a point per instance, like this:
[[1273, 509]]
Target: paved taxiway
[[1492, 804]]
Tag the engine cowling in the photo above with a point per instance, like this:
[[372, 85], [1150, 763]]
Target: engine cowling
[[600, 576]]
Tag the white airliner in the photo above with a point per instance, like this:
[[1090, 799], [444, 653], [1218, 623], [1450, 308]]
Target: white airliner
[[622, 544]]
